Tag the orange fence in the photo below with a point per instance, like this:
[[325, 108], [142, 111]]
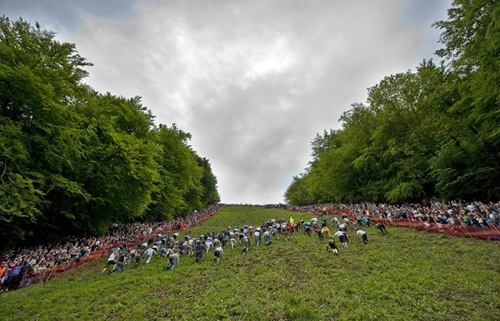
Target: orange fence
[[45, 275], [485, 233]]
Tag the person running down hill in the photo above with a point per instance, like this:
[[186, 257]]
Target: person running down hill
[[217, 254], [363, 235], [111, 262], [149, 254], [342, 237], [173, 259], [246, 243], [267, 237], [200, 249], [332, 246], [381, 228]]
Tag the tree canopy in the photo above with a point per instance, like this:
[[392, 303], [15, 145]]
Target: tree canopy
[[432, 132], [75, 161]]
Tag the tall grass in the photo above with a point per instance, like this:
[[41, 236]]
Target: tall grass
[[405, 275]]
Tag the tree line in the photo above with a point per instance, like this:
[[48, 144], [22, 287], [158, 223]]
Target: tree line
[[432, 132], [74, 161]]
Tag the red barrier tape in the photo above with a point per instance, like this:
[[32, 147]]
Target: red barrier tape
[[455, 230], [45, 275]]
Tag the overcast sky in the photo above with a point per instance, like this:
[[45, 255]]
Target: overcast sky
[[252, 81]]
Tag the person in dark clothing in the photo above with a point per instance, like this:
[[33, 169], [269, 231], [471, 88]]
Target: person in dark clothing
[[381, 228], [200, 249], [120, 264], [173, 260], [332, 246], [343, 238], [363, 235], [15, 278]]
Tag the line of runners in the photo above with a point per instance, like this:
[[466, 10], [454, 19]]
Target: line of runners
[[173, 247]]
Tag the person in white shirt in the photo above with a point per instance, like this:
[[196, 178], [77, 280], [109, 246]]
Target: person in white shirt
[[363, 235], [218, 253], [111, 262], [256, 236], [173, 259], [149, 254], [342, 237]]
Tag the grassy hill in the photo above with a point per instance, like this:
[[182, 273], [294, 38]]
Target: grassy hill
[[405, 275]]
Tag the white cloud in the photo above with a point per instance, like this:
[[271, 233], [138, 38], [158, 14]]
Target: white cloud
[[252, 81]]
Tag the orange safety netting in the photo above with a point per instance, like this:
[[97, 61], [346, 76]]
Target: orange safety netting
[[485, 233], [45, 275]]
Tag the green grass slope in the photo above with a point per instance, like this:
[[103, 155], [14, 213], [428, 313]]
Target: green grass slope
[[405, 275]]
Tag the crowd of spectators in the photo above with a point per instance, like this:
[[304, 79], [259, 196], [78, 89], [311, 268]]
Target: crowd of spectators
[[18, 266], [453, 213]]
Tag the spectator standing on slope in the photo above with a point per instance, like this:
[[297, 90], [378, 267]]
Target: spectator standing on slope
[[3, 273]]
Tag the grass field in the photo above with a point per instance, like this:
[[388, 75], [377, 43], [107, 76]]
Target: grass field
[[405, 275]]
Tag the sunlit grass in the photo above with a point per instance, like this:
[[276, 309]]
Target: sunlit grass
[[405, 275]]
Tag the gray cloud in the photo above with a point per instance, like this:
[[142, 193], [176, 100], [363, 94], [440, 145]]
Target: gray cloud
[[252, 81]]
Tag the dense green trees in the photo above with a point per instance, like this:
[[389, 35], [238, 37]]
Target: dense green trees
[[73, 160], [434, 132]]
